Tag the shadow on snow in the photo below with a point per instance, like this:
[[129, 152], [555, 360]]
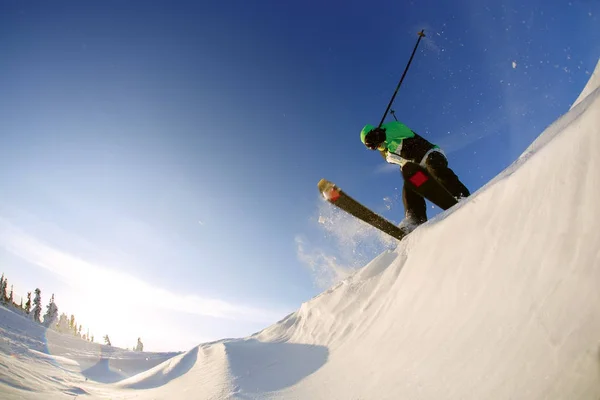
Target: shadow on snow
[[266, 366]]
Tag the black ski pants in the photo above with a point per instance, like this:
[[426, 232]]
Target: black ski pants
[[437, 165]]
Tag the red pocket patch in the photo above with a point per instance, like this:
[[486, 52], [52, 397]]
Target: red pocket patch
[[418, 179]]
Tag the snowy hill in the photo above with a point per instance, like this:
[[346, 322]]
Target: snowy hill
[[508, 308], [35, 362]]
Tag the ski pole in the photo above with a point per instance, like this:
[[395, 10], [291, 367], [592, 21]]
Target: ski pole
[[421, 35], [393, 114]]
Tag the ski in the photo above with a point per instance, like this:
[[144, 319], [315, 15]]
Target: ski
[[415, 176], [338, 198]]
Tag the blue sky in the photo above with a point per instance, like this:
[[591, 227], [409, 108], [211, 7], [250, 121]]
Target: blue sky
[[173, 148]]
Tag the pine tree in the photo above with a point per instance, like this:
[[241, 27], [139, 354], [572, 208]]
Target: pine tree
[[139, 346], [11, 296], [37, 305], [63, 324], [51, 313], [79, 331], [107, 340], [3, 285], [21, 305], [92, 339], [28, 304]]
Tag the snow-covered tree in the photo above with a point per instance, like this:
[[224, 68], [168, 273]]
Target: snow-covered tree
[[21, 305], [3, 283], [73, 325], [107, 340], [63, 324], [79, 331], [51, 313], [37, 305], [139, 346], [92, 339], [11, 296], [28, 304]]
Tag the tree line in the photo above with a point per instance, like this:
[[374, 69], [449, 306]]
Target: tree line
[[50, 319]]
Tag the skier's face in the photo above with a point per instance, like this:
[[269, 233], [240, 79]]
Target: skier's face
[[375, 138]]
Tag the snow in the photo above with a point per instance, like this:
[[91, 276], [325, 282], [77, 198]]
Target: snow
[[495, 298], [593, 84], [43, 364]]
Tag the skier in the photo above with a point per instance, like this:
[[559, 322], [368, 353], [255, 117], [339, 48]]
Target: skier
[[398, 144]]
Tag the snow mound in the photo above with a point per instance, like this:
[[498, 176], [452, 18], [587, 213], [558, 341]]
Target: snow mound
[[163, 373], [201, 373]]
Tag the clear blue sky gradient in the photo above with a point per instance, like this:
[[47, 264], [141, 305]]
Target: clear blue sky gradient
[[125, 124]]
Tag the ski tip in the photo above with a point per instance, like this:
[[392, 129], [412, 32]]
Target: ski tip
[[324, 184], [328, 189]]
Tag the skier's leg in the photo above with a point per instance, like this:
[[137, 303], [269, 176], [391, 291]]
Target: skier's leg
[[437, 165], [415, 210]]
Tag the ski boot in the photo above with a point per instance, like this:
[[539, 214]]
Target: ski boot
[[410, 223]]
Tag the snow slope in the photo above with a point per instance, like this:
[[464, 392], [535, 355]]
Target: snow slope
[[40, 363], [497, 298]]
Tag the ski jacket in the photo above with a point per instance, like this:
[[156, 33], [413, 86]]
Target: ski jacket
[[401, 143]]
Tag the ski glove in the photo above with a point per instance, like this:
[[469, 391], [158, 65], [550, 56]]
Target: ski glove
[[394, 158]]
